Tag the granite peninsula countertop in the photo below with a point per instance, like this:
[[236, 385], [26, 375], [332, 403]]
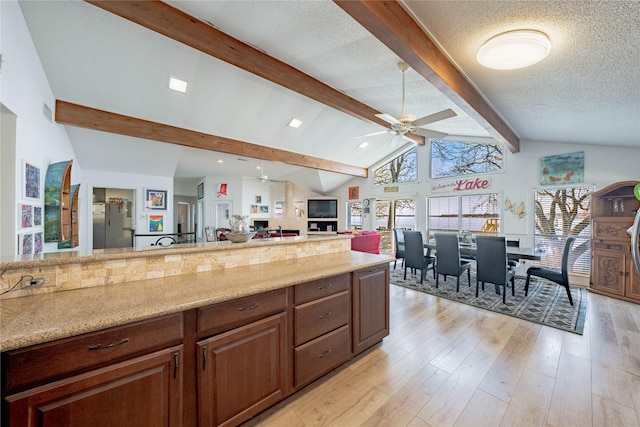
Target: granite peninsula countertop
[[46, 317]]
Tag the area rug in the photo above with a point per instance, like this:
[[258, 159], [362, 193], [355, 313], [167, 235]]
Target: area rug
[[547, 303]]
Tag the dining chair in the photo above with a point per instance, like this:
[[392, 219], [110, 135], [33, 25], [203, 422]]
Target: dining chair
[[492, 264], [561, 277], [448, 262], [414, 256], [398, 234]]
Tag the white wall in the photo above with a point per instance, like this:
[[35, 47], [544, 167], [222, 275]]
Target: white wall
[[603, 166], [24, 90]]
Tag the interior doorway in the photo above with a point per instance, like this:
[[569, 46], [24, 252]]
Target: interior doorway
[[113, 217]]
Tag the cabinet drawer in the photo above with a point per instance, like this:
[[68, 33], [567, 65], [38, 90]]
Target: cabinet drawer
[[610, 245], [321, 316], [612, 228], [321, 355], [44, 362], [227, 315], [321, 288]]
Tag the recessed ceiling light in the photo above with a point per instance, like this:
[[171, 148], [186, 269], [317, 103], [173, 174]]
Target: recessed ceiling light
[[294, 123], [514, 49], [220, 161], [363, 145], [177, 85]]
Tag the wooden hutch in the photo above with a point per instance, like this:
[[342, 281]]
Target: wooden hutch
[[612, 269]]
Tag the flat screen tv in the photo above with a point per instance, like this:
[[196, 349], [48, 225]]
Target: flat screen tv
[[322, 208]]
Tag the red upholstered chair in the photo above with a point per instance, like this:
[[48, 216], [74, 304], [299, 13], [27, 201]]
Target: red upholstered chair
[[366, 241]]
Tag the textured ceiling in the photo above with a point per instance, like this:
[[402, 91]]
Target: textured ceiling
[[587, 91]]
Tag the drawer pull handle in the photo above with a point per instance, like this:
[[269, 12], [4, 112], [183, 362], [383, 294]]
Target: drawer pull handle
[[176, 360], [325, 286], [102, 347], [251, 307], [325, 353], [325, 316], [204, 358]]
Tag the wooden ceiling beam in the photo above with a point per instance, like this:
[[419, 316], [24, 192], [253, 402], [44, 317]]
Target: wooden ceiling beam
[[177, 25], [91, 118], [393, 26]]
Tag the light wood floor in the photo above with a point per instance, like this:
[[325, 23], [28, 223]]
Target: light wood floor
[[449, 364]]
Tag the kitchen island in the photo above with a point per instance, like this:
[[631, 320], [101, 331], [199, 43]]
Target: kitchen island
[[194, 315]]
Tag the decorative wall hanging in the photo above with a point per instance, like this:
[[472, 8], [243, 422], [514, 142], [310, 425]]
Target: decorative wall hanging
[[156, 199], [562, 169], [156, 223], [354, 193], [30, 181], [201, 191], [278, 208], [222, 190]]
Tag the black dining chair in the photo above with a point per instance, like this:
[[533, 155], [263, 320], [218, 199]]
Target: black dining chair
[[561, 277], [414, 256], [492, 264], [398, 234], [448, 262]]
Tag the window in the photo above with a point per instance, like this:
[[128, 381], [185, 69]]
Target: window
[[396, 213], [354, 219], [562, 212], [454, 158], [478, 213], [403, 168]]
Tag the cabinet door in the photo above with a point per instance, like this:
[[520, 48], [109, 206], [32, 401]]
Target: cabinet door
[[370, 307], [145, 391], [242, 371], [633, 280], [607, 272]]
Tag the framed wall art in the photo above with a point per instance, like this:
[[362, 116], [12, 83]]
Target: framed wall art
[[562, 169], [156, 199], [30, 181], [201, 191], [354, 193], [25, 244], [26, 216], [156, 223]]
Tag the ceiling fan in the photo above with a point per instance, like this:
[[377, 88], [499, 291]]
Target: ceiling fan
[[263, 177], [407, 123]]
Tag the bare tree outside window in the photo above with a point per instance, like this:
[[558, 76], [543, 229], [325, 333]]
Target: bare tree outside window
[[559, 213], [454, 158], [403, 168]]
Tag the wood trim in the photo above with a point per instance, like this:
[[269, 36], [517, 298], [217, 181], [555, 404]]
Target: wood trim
[[393, 26], [177, 25], [91, 118]]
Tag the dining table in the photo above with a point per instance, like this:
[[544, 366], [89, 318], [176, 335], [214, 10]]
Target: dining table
[[513, 252]]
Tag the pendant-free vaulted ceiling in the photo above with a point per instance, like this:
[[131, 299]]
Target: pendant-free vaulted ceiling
[[585, 92]]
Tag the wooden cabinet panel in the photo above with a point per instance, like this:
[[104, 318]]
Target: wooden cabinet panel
[[321, 288], [370, 307], [611, 228], [145, 391], [321, 355], [242, 371], [633, 280], [321, 316], [227, 315], [42, 363], [607, 272]]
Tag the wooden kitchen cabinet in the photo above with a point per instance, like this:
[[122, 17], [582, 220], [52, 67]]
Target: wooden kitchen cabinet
[[321, 327], [370, 323], [612, 269], [144, 388], [242, 370]]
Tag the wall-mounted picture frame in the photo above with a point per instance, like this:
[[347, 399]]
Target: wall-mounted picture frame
[[264, 209], [562, 169], [26, 215], [25, 244], [156, 199], [37, 216], [201, 191], [354, 193], [156, 223], [253, 209], [38, 241], [30, 181], [278, 208], [258, 200]]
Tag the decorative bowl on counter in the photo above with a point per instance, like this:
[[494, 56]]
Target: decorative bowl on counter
[[239, 237]]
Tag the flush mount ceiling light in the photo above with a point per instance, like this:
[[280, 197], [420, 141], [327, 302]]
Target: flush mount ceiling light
[[363, 145], [177, 85], [294, 123], [514, 49]]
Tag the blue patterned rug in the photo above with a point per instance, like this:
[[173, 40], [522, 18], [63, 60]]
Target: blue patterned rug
[[547, 303]]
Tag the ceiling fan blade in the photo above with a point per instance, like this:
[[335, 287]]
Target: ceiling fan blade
[[388, 118], [374, 133], [435, 117], [430, 134], [397, 138]]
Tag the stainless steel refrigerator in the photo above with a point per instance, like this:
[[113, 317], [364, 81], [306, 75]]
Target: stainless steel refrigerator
[[108, 227]]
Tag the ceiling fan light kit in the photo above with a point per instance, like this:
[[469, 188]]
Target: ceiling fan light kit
[[407, 123], [514, 49]]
